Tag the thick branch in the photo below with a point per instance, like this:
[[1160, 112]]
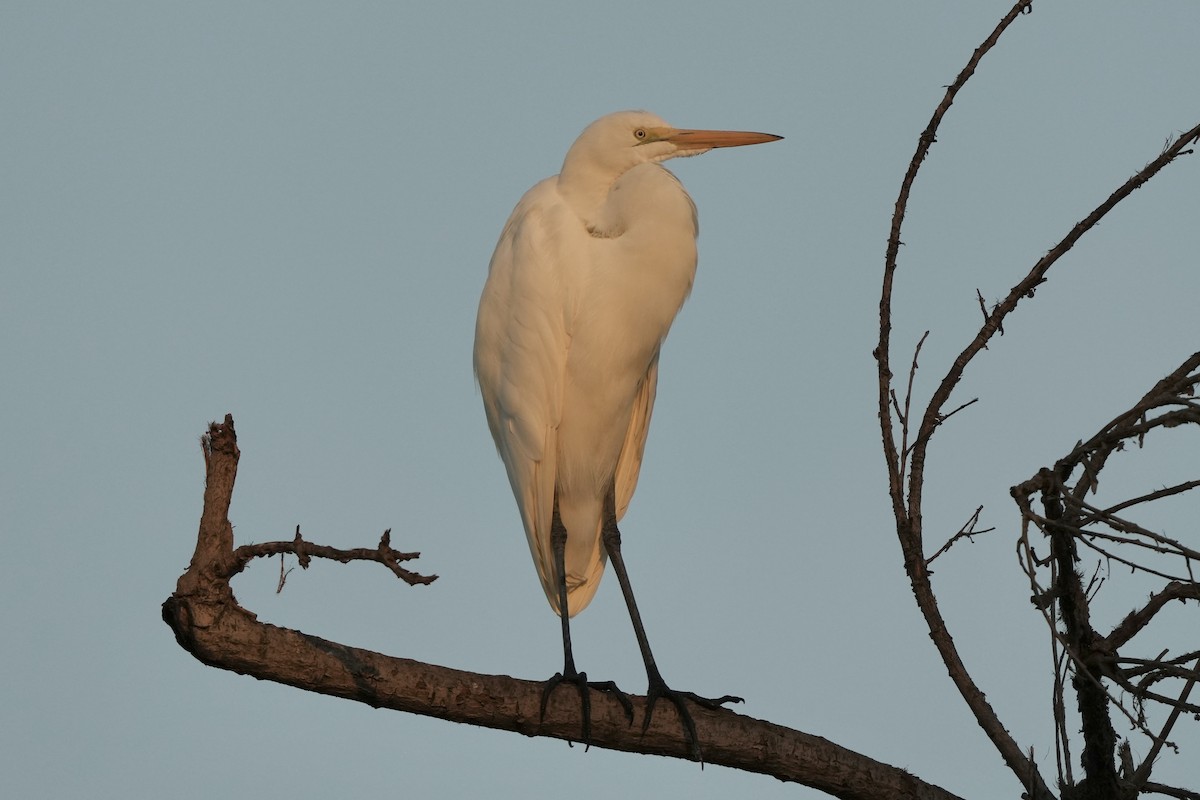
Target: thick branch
[[237, 642], [1099, 738], [210, 625], [1070, 521]]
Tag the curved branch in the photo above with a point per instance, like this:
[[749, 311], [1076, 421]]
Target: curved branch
[[210, 625], [907, 511], [883, 350], [1026, 286]]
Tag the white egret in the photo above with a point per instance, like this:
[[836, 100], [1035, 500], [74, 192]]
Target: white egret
[[588, 275]]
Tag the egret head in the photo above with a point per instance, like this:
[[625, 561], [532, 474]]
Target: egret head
[[621, 141]]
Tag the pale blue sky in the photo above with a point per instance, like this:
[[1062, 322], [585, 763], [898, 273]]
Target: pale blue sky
[[285, 211]]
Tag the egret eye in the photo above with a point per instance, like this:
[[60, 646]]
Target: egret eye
[[640, 134]]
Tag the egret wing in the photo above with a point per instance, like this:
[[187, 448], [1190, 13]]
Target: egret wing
[[521, 344], [630, 464]]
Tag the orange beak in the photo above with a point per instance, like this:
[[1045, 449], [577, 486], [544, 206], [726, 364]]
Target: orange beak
[[686, 139]]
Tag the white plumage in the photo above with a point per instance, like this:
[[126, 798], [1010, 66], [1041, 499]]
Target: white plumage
[[588, 275]]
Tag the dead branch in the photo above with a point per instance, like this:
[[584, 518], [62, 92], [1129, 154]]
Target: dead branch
[[1036, 276], [304, 552], [1106, 514], [967, 531], [906, 470], [1170, 791], [209, 624], [1070, 522], [905, 416], [907, 509]]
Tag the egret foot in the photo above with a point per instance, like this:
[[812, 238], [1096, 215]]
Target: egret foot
[[658, 688], [580, 681]]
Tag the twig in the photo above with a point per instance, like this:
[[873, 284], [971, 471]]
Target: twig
[[943, 417], [1157, 543], [967, 531], [904, 417], [983, 308], [1134, 566], [1106, 514], [304, 551], [1159, 663], [282, 575]]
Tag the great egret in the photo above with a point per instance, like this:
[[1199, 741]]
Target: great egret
[[590, 271]]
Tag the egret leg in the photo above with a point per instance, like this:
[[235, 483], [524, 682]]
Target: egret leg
[[657, 686], [558, 544]]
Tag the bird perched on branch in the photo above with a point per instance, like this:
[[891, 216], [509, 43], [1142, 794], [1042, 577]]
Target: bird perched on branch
[[589, 273]]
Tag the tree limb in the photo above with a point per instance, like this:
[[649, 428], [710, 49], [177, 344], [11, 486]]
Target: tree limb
[[907, 510], [1069, 522], [210, 625]]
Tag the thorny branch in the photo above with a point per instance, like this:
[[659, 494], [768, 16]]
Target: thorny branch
[[906, 467], [906, 505], [905, 415], [967, 531], [304, 552], [1069, 522]]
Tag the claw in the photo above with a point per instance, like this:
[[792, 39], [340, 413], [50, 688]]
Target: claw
[[580, 681], [658, 688]]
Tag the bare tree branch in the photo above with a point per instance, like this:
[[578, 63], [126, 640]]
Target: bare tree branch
[[906, 472], [965, 532], [209, 624], [304, 551], [907, 509], [1170, 791], [906, 415], [1025, 287], [1143, 771], [1070, 521]]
